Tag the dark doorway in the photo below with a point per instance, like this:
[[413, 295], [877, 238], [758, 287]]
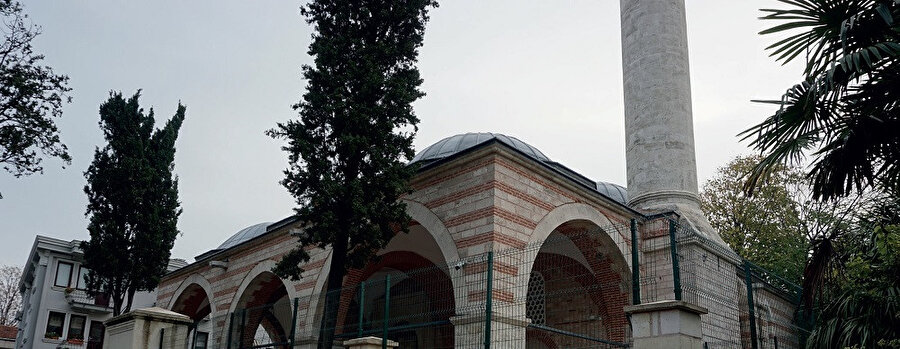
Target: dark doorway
[[95, 335]]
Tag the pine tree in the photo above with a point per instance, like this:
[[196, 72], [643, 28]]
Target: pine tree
[[132, 201], [346, 152]]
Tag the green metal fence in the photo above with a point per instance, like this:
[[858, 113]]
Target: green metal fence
[[567, 291], [571, 288], [766, 307]]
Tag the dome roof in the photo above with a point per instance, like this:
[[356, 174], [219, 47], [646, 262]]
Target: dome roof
[[454, 144], [244, 235], [613, 191]]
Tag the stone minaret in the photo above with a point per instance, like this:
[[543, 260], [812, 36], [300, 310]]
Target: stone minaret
[[659, 130]]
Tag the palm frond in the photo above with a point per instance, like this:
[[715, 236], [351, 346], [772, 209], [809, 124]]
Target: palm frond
[[847, 44]]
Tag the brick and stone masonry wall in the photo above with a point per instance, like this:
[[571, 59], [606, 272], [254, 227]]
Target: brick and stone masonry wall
[[774, 317], [496, 203], [708, 279], [257, 256], [488, 200]]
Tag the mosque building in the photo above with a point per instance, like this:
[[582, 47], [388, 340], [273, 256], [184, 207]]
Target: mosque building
[[510, 249]]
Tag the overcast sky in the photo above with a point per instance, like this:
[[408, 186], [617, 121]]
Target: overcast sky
[[546, 72]]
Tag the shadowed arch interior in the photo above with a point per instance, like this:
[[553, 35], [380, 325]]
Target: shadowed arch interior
[[584, 288], [193, 302], [263, 313], [420, 292]]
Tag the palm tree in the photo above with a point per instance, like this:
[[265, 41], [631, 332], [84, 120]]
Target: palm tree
[[860, 307], [844, 117], [844, 114]]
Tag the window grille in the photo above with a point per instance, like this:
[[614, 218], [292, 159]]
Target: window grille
[[536, 299]]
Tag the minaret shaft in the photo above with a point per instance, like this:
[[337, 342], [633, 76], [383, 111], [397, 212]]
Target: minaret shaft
[[659, 133]]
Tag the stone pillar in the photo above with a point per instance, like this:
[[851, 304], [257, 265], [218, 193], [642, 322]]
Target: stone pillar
[[659, 130], [666, 324], [147, 328], [368, 343]]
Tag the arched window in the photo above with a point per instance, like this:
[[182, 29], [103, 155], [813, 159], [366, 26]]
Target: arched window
[[536, 299]]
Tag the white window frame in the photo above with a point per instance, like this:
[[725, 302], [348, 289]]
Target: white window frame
[[56, 276], [62, 328]]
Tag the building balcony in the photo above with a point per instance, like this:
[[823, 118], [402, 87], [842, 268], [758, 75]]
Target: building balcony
[[80, 300]]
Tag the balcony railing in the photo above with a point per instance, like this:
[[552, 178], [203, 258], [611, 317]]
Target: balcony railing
[[79, 299]]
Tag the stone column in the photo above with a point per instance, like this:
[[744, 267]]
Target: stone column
[[666, 324], [659, 130]]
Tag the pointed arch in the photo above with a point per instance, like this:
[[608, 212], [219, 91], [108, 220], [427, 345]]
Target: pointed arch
[[192, 283], [433, 224]]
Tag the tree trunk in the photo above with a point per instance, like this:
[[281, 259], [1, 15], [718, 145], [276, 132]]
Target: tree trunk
[[333, 294], [117, 303], [130, 300]]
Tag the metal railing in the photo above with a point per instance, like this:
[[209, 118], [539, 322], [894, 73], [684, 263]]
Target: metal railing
[[568, 290]]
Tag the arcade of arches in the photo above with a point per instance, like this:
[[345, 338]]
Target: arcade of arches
[[561, 264]]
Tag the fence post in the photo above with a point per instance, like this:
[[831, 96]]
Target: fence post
[[294, 322], [488, 304], [387, 310], [676, 270], [193, 342], [748, 279], [228, 337], [243, 328], [635, 266], [362, 307]]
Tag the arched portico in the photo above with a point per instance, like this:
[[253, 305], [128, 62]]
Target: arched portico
[[417, 262], [262, 309], [582, 212], [577, 284], [578, 279], [194, 298], [263, 267], [428, 239], [416, 291], [435, 227]]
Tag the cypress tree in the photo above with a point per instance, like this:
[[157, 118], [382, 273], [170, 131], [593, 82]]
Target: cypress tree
[[347, 151], [132, 202]]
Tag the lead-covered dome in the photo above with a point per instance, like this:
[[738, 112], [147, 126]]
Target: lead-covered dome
[[454, 144], [244, 235], [613, 191]]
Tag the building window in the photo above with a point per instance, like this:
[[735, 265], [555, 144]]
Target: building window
[[76, 327], [55, 324], [200, 340], [81, 284], [536, 299], [63, 274]]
